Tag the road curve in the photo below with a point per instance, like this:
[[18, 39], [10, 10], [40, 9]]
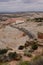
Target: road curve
[[29, 33]]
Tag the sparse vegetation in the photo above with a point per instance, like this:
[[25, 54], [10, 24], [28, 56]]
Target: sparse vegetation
[[6, 63], [3, 51], [38, 19], [34, 46], [24, 63], [21, 47], [14, 56], [25, 31], [27, 53], [31, 50], [36, 61], [26, 44]]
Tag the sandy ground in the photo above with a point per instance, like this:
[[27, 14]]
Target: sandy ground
[[13, 38]]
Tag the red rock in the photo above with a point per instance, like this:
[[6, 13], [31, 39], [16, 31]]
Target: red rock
[[40, 35]]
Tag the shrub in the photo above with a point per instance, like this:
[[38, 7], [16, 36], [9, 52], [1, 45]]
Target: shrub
[[21, 47], [34, 46], [27, 44], [27, 53], [31, 50], [14, 55], [19, 57], [3, 51], [38, 19]]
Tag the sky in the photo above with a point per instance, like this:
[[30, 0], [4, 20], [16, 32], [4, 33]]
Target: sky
[[21, 5]]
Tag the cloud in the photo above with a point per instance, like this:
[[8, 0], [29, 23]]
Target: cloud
[[4, 0], [21, 5], [29, 1]]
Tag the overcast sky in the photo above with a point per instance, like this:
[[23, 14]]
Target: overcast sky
[[21, 5]]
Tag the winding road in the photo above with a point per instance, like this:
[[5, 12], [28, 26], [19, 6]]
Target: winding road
[[29, 33]]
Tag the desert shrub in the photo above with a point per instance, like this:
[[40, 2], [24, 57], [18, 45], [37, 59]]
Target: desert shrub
[[27, 53], [34, 46], [19, 57], [31, 50], [14, 55], [26, 44], [21, 47], [3, 51], [38, 19]]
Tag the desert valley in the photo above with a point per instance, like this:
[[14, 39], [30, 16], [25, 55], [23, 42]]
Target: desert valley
[[21, 34]]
